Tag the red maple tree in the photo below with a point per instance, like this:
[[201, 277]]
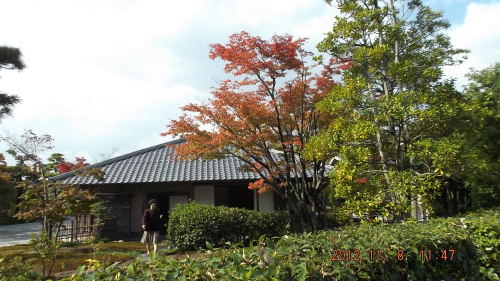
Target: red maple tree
[[64, 167], [264, 116]]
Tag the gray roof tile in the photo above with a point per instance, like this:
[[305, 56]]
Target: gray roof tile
[[159, 164]]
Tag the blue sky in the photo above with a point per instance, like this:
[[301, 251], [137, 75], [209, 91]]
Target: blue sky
[[109, 75]]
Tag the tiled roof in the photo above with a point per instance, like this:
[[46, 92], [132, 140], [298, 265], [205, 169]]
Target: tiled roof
[[159, 164]]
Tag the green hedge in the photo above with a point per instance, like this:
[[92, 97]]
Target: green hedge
[[309, 256], [400, 247], [191, 226]]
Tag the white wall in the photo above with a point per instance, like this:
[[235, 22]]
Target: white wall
[[266, 202], [204, 194], [175, 200]]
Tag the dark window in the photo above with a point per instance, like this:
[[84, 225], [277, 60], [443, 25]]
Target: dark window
[[279, 203], [234, 196]]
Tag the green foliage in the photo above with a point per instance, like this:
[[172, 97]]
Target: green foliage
[[7, 190], [194, 225], [309, 256], [51, 166], [394, 131], [389, 239], [484, 227], [97, 246], [21, 172], [16, 269], [40, 198], [483, 114], [100, 210], [10, 58], [45, 248], [53, 201]]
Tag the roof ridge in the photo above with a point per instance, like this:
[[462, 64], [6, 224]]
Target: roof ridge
[[116, 159]]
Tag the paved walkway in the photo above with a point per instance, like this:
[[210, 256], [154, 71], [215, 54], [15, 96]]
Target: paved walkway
[[14, 234]]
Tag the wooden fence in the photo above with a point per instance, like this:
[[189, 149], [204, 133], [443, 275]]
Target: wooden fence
[[82, 227]]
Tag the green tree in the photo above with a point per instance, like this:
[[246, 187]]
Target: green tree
[[40, 198], [10, 58], [7, 189], [52, 202], [483, 112], [26, 149], [392, 133], [53, 160], [14, 175]]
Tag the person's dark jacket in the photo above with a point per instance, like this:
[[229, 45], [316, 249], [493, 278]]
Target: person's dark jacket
[[151, 220]]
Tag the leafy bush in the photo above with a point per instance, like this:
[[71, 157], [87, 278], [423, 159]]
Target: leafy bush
[[192, 225], [45, 248], [386, 252], [16, 269], [484, 227], [309, 256]]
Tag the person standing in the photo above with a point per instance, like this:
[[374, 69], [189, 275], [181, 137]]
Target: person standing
[[151, 226]]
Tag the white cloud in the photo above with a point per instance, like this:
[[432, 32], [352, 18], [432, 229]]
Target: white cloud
[[70, 156], [479, 33], [315, 29], [255, 13], [93, 66]]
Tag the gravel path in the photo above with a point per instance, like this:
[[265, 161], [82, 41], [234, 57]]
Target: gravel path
[[14, 234]]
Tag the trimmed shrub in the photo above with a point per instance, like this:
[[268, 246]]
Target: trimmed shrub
[[191, 226], [386, 252]]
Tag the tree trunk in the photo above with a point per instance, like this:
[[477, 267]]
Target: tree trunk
[[303, 218], [45, 226]]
